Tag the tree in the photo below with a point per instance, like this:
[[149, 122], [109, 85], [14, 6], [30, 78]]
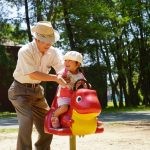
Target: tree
[[110, 33]]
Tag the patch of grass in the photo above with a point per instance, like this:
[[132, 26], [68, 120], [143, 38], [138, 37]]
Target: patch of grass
[[8, 130], [7, 114], [110, 108]]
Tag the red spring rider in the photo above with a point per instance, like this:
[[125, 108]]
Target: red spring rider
[[82, 116]]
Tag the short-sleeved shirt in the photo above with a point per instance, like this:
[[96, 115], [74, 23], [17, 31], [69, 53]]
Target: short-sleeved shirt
[[30, 59], [64, 94]]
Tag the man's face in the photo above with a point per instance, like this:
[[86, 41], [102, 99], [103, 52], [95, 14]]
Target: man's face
[[43, 46]]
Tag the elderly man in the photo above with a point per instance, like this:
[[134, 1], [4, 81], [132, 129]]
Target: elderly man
[[35, 60]]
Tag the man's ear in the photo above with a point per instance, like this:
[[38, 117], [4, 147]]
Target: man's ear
[[79, 64]]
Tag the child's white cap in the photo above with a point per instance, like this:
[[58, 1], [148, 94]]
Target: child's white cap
[[74, 55]]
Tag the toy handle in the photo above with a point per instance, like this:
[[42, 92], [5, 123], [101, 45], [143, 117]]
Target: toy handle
[[81, 80]]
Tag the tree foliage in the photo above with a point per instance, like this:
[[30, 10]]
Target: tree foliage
[[111, 33]]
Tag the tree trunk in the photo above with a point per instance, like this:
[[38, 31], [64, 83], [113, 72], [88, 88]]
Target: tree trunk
[[28, 21], [68, 25], [107, 61], [144, 55]]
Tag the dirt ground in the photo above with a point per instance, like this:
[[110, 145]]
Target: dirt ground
[[118, 135]]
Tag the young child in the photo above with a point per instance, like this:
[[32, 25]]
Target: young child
[[72, 62]]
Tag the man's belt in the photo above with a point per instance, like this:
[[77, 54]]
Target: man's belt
[[29, 85]]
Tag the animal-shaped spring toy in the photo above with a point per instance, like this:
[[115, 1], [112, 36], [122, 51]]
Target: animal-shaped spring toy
[[82, 116]]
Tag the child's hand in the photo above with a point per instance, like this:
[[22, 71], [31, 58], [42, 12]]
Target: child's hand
[[82, 84], [67, 79], [61, 81]]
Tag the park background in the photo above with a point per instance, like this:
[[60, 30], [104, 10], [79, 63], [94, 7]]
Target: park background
[[113, 36]]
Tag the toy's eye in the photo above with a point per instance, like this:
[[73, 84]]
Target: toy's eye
[[78, 99]]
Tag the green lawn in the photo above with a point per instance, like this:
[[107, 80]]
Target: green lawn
[[110, 108], [7, 114], [8, 130]]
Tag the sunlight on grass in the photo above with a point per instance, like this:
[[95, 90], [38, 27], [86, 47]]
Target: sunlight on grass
[[110, 108], [7, 114], [8, 130]]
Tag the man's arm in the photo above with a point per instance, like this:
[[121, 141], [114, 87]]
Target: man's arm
[[47, 77]]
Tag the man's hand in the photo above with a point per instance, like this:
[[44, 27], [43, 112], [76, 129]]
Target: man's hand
[[61, 81], [67, 79]]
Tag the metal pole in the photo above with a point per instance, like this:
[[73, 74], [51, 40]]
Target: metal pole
[[72, 142]]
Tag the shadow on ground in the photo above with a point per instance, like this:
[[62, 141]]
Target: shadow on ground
[[125, 116], [104, 117], [7, 122]]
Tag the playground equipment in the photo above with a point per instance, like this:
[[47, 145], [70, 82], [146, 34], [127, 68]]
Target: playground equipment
[[81, 118]]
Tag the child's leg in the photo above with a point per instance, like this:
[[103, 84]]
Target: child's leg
[[55, 118]]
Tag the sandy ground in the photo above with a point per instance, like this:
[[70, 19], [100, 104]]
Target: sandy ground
[[118, 135]]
